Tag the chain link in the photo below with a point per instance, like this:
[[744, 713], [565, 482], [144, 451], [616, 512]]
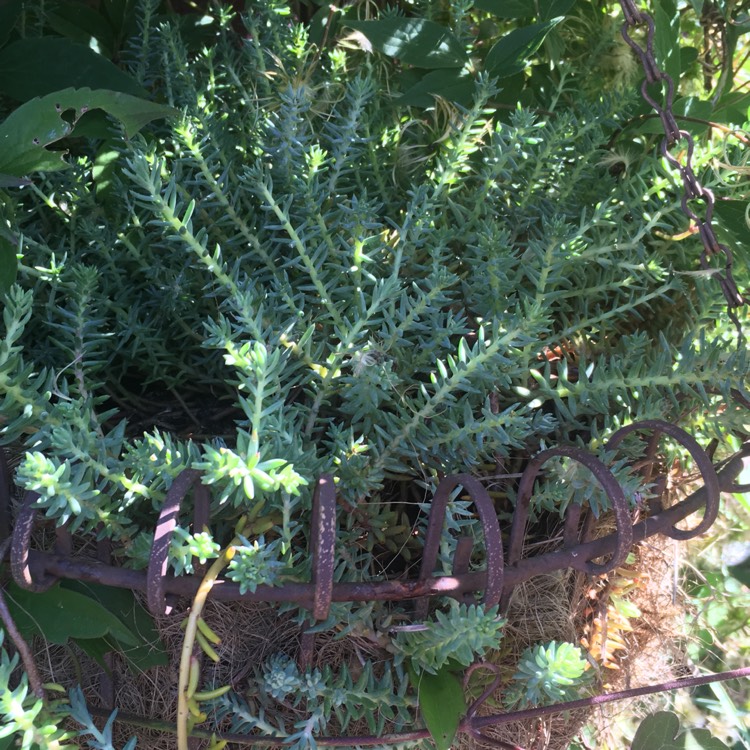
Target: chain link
[[682, 160]]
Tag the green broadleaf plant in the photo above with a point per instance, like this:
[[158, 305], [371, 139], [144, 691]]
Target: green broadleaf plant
[[414, 41], [30, 129], [510, 54], [98, 618], [442, 703], [38, 66], [661, 731]]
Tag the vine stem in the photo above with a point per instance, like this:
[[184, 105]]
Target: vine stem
[[191, 629]]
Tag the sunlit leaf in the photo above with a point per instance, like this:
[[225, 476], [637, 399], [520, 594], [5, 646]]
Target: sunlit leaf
[[415, 41]]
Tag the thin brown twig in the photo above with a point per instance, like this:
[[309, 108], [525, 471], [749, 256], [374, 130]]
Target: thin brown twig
[[22, 647]]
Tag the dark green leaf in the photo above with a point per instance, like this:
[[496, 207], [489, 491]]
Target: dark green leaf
[[741, 572], [81, 23], [149, 652], [7, 181], [8, 262], [323, 24], [59, 614], [688, 56], [660, 732], [9, 12], [508, 8], [553, 8], [32, 127], [509, 55], [104, 169], [442, 703], [414, 41], [96, 649], [657, 732], [733, 218], [667, 37], [37, 66], [121, 13], [453, 85], [732, 108]]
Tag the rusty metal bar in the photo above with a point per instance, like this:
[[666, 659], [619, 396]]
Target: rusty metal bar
[[702, 461], [49, 567], [493, 542], [165, 525]]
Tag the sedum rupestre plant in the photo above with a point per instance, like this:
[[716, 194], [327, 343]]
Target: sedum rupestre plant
[[549, 673], [290, 275]]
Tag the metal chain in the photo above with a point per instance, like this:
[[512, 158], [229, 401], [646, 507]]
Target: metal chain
[[693, 190]]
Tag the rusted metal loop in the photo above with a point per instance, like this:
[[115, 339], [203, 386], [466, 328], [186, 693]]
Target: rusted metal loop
[[609, 484], [672, 131], [6, 496], [666, 146], [201, 507], [702, 461], [64, 540], [20, 546], [633, 16], [322, 545], [493, 542], [488, 692], [709, 239], [649, 64], [467, 723], [158, 562], [733, 296], [573, 533], [709, 199]]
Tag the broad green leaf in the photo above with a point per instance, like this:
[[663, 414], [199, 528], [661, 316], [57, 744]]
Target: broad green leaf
[[733, 218], [657, 732], [81, 23], [38, 66], [324, 23], [741, 572], [508, 8], [451, 84], [688, 56], [121, 13], [96, 649], [104, 169], [660, 731], [553, 8], [9, 12], [667, 37], [32, 127], [149, 651], [442, 703], [732, 108], [8, 262], [7, 181], [415, 41], [59, 614], [509, 55]]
